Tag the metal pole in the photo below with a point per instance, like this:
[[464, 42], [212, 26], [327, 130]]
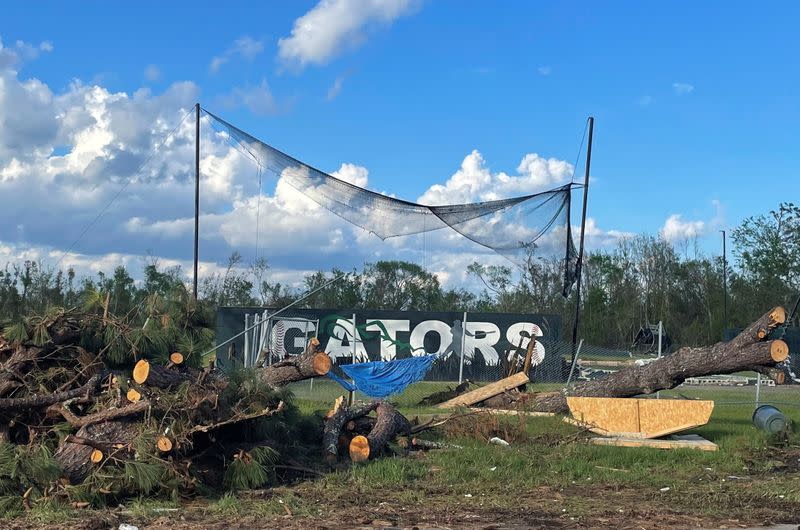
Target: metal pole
[[196, 196], [758, 390], [351, 395], [463, 347], [724, 283], [579, 266], [574, 362], [660, 332]]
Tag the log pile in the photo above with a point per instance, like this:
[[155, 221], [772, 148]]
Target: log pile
[[110, 429]]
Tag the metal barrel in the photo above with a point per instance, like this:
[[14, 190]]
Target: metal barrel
[[769, 419]]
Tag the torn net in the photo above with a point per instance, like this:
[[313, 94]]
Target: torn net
[[531, 230]]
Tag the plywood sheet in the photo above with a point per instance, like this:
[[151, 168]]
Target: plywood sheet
[[639, 418], [690, 441]]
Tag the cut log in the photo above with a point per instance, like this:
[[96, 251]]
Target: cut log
[[75, 458], [297, 368], [163, 377], [96, 456], [744, 352], [485, 392], [164, 444], [388, 424], [176, 358], [133, 395], [141, 371], [334, 425]]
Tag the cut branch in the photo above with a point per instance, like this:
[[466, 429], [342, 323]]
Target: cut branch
[[37, 401]]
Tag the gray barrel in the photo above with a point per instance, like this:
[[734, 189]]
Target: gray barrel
[[769, 419]]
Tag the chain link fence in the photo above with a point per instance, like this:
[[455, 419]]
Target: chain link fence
[[555, 365]]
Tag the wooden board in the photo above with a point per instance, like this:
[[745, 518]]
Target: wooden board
[[639, 418], [505, 412], [689, 441], [485, 392]]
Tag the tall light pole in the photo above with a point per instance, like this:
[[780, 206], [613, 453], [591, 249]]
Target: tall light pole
[[724, 283]]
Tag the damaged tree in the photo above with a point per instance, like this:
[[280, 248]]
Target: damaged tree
[[750, 350]]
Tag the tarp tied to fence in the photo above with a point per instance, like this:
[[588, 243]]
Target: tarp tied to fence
[[524, 229]]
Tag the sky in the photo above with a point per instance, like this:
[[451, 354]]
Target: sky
[[432, 101]]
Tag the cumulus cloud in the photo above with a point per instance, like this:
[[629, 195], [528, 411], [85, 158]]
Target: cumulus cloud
[[682, 89], [85, 150], [353, 174], [676, 229], [336, 25], [475, 181], [245, 47]]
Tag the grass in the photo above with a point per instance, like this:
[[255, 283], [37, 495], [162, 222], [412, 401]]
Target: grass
[[547, 472]]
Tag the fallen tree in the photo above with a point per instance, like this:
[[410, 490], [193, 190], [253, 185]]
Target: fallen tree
[[750, 350], [113, 409]]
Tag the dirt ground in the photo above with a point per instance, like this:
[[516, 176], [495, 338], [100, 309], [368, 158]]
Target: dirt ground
[[542, 508]]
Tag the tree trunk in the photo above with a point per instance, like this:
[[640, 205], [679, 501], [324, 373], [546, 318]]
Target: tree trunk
[[744, 352], [297, 368], [389, 424], [335, 423]]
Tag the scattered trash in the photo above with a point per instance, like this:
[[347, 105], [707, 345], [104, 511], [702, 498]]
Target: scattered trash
[[662, 490], [126, 526], [499, 441], [492, 468], [468, 495]]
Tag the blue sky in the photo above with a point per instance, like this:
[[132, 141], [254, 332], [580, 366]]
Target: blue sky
[[696, 105]]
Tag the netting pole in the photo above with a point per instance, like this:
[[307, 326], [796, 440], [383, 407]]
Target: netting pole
[[463, 347], [351, 394], [583, 233], [575, 356], [758, 389], [196, 196], [660, 332]]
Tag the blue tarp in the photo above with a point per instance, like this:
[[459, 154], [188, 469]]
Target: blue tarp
[[384, 378]]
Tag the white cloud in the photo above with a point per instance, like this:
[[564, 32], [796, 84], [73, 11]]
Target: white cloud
[[353, 174], [336, 88], [19, 52], [246, 47], [474, 181], [676, 229], [152, 73], [682, 88], [258, 99], [544, 70], [79, 148], [335, 25], [597, 237]]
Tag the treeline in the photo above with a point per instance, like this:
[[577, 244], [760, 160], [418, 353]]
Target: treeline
[[642, 280]]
